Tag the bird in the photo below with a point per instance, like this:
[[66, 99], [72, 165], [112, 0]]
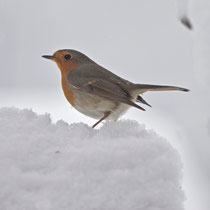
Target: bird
[[97, 92]]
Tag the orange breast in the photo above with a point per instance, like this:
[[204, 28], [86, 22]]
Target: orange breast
[[67, 92], [65, 68]]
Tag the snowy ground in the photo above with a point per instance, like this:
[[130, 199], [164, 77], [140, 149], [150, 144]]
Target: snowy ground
[[51, 166]]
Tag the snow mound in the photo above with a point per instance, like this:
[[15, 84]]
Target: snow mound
[[121, 166]]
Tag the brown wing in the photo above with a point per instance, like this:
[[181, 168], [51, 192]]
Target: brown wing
[[90, 82]]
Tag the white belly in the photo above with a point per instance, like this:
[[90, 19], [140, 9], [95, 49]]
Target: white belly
[[95, 106]]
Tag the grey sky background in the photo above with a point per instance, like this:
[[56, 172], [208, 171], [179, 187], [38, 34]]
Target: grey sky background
[[117, 34], [142, 41]]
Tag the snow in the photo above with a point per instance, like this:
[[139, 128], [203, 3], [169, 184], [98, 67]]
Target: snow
[[51, 166]]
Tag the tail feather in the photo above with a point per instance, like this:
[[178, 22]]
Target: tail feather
[[142, 88], [141, 100]]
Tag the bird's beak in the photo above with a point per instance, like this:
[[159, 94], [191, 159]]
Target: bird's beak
[[48, 57]]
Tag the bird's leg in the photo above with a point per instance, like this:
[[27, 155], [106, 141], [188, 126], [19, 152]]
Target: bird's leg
[[106, 114]]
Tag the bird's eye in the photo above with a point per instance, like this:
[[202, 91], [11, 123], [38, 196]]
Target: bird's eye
[[67, 57]]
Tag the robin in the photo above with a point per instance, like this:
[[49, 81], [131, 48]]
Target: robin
[[97, 92]]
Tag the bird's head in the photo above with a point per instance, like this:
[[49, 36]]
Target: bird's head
[[68, 60]]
